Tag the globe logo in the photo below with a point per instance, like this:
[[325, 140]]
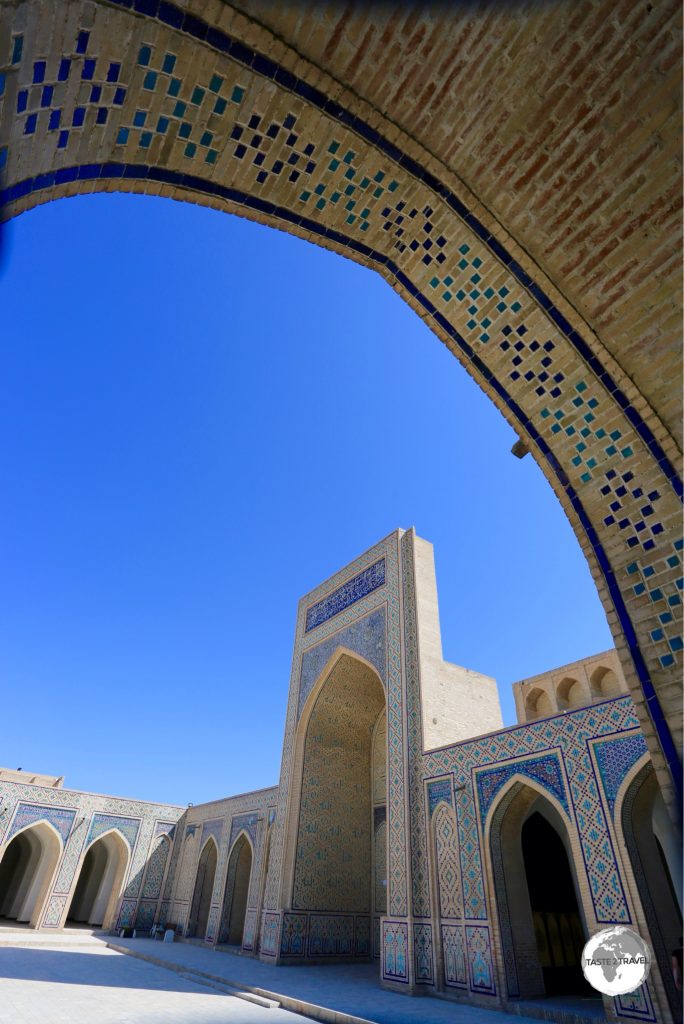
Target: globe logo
[[616, 961]]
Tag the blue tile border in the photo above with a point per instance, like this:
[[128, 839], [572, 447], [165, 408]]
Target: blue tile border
[[194, 183]]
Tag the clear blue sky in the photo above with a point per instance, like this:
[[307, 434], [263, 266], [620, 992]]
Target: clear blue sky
[[200, 420]]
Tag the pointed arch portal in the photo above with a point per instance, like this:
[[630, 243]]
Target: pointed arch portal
[[226, 114], [238, 879], [204, 887], [541, 921], [100, 881], [27, 867]]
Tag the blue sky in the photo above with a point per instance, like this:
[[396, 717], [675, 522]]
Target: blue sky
[[200, 420]]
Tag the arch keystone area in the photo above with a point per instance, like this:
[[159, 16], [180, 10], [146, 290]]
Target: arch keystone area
[[573, 334]]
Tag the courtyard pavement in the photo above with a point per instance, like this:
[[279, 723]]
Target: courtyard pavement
[[74, 978], [83, 982]]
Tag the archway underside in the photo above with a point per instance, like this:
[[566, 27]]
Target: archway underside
[[148, 97]]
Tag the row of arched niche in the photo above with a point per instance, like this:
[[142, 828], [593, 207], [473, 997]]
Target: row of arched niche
[[238, 878], [28, 867], [569, 693]]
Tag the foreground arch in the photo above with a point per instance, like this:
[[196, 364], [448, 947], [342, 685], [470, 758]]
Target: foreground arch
[[27, 867], [96, 894], [200, 102]]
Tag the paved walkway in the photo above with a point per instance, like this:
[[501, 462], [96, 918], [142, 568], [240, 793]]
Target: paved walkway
[[81, 982], [73, 977], [353, 989]]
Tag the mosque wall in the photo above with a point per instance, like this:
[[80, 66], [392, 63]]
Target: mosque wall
[[79, 820]]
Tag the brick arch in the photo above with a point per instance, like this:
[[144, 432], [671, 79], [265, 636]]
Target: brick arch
[[155, 99]]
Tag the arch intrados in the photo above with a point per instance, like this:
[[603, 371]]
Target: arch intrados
[[209, 839], [43, 824], [294, 795], [338, 654], [114, 832], [511, 790], [242, 835], [642, 767]]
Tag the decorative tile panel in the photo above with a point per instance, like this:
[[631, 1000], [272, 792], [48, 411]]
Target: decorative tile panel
[[422, 952], [156, 867], [615, 758], [212, 828], [544, 770], [331, 935], [440, 791], [361, 585], [454, 954], [480, 964], [395, 951], [60, 818], [101, 823], [366, 637]]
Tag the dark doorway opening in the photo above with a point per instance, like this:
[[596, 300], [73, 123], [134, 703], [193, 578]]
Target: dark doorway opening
[[557, 924]]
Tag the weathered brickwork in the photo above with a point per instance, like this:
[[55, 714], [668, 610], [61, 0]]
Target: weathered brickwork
[[200, 101]]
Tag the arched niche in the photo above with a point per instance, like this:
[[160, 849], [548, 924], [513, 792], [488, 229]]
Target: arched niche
[[236, 895], [27, 868], [538, 704], [604, 683], [100, 881], [654, 851], [570, 693], [204, 887], [534, 874], [330, 829]]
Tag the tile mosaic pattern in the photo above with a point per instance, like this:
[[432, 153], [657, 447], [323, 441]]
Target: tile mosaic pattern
[[101, 823], [156, 866], [445, 831], [144, 918], [331, 935], [244, 823], [212, 828], [454, 953], [26, 814], [439, 792], [419, 873], [395, 951], [422, 952], [480, 959], [615, 758], [544, 770], [361, 585], [201, 124], [570, 734], [366, 637]]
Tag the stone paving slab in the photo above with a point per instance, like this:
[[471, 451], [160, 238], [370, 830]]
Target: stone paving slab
[[349, 989], [68, 984]]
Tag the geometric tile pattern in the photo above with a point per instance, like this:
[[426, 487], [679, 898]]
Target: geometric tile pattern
[[480, 959], [453, 946], [422, 951], [156, 866], [144, 918], [101, 823], [439, 792], [212, 828], [395, 946], [244, 822], [615, 758], [545, 770], [365, 636], [360, 586], [446, 850], [27, 814], [568, 734]]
